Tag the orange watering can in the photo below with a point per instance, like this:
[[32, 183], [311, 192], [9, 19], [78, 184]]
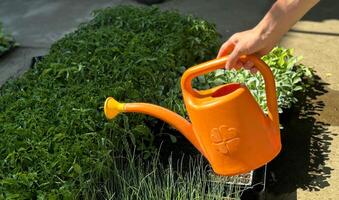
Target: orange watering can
[[227, 125]]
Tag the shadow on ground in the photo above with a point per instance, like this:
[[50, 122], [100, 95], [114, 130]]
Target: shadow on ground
[[306, 141]]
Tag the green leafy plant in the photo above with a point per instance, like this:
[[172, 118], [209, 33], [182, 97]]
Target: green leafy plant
[[6, 41], [290, 76]]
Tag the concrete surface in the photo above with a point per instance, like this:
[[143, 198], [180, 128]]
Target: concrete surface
[[308, 167], [36, 24], [316, 37]]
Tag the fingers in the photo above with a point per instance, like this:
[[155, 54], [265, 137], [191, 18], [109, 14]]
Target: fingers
[[232, 58], [230, 48], [226, 48], [235, 48], [254, 70], [238, 65], [249, 65]]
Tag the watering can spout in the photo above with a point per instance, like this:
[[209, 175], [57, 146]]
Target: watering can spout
[[112, 108]]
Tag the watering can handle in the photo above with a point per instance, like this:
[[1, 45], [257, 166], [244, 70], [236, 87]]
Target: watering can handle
[[203, 68]]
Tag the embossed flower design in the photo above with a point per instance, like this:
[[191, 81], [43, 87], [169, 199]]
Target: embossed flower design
[[225, 139]]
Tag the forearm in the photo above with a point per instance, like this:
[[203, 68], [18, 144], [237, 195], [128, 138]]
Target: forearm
[[262, 38], [281, 17]]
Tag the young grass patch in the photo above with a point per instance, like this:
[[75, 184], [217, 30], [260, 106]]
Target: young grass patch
[[133, 178]]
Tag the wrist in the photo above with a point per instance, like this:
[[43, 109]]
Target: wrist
[[268, 30]]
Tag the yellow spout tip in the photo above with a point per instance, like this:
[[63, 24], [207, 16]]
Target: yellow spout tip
[[112, 108]]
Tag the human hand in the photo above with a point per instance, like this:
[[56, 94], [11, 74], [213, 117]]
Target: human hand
[[245, 43], [262, 38]]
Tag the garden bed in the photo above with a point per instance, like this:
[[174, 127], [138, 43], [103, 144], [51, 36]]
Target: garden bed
[[55, 140]]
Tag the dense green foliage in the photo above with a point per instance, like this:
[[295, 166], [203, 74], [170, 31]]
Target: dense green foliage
[[6, 41], [54, 136], [55, 141]]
